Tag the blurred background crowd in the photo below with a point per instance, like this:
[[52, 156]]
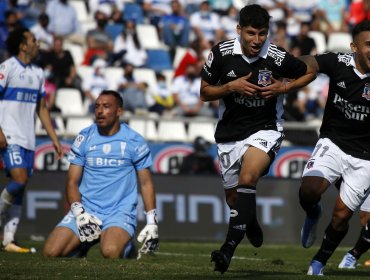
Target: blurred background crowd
[[151, 51]]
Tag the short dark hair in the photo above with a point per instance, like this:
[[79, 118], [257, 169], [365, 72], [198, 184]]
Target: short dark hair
[[255, 16], [361, 27], [116, 95], [15, 39]]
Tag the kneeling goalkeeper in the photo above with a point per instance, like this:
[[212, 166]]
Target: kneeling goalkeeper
[[106, 160]]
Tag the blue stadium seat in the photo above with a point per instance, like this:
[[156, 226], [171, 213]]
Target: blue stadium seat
[[114, 30], [159, 60], [133, 11]]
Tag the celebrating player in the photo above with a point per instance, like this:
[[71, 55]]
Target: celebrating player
[[249, 131], [102, 187], [343, 150], [21, 95]]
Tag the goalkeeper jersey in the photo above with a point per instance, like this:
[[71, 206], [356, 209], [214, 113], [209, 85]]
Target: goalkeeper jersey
[[21, 87], [109, 181]]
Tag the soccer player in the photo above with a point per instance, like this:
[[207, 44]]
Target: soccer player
[[343, 150], [249, 131], [106, 159], [21, 95]]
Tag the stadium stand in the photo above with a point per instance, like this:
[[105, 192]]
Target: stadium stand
[[172, 131], [69, 101], [339, 42], [75, 124]]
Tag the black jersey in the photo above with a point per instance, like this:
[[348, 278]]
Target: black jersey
[[346, 120], [240, 116]]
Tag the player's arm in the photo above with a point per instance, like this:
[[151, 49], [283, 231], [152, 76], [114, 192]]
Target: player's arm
[[73, 178], [3, 142], [88, 225], [44, 115], [210, 92], [149, 234]]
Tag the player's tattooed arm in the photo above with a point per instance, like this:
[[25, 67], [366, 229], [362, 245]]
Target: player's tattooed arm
[[312, 65]]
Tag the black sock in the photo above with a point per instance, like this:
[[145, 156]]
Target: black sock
[[311, 209], [332, 238], [242, 214], [362, 244]]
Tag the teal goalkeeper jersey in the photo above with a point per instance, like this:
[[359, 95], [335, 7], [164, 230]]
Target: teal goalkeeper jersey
[[109, 180]]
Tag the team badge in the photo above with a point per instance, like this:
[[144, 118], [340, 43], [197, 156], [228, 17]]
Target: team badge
[[107, 148], [264, 77], [366, 93], [210, 59], [78, 140], [310, 163]]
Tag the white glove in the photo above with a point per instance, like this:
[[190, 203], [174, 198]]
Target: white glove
[[149, 234], [87, 224]]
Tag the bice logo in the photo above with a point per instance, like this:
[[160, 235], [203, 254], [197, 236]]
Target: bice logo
[[366, 93], [264, 77]]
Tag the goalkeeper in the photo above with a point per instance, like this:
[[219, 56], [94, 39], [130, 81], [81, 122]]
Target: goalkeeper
[[106, 160]]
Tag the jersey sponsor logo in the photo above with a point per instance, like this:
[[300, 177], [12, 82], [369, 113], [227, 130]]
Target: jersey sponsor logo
[[264, 77], [249, 101], [99, 161], [79, 139], [26, 96], [231, 74], [345, 58], [210, 59], [366, 93], [351, 111], [341, 84], [107, 148], [227, 52]]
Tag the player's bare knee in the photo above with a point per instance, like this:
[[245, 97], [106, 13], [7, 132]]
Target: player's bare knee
[[110, 251], [50, 251], [248, 179]]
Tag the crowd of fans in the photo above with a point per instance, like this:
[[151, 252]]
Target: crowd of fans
[[192, 26]]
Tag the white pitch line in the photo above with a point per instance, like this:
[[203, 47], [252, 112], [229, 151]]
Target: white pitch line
[[202, 255]]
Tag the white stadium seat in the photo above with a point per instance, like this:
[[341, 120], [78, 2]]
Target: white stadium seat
[[339, 42], [145, 127], [76, 124], [204, 129], [319, 39], [148, 36], [172, 130], [69, 101]]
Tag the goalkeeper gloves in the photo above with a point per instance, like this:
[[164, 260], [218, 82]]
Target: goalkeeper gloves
[[87, 224], [149, 234]]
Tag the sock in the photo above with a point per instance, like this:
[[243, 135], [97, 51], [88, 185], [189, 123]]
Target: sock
[[311, 209], [11, 223], [331, 240], [362, 244], [242, 214]]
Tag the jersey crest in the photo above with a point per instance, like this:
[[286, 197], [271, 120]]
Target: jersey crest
[[366, 93], [264, 77]]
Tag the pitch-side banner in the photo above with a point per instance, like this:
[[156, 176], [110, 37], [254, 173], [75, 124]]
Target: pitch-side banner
[[167, 158], [189, 208]]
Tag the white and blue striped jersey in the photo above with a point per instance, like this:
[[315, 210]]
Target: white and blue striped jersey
[[21, 87], [109, 180]]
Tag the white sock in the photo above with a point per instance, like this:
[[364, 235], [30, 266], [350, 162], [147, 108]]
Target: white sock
[[11, 223]]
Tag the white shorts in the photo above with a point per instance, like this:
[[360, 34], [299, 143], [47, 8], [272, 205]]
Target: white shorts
[[330, 162], [230, 154]]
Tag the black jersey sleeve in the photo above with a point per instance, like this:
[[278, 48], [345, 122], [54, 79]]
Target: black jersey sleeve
[[291, 67], [327, 62], [212, 67]]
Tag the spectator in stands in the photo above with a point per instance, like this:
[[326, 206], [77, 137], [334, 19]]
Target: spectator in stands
[[93, 85], [64, 21], [206, 23], [305, 44], [229, 23], [359, 10], [329, 16], [127, 47], [98, 41], [61, 65], [43, 36], [174, 27], [186, 92], [162, 97], [221, 7], [199, 161], [280, 37], [198, 48], [132, 91], [299, 11], [115, 6], [11, 22], [155, 9]]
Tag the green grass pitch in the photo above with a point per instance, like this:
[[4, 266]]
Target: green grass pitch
[[177, 260]]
